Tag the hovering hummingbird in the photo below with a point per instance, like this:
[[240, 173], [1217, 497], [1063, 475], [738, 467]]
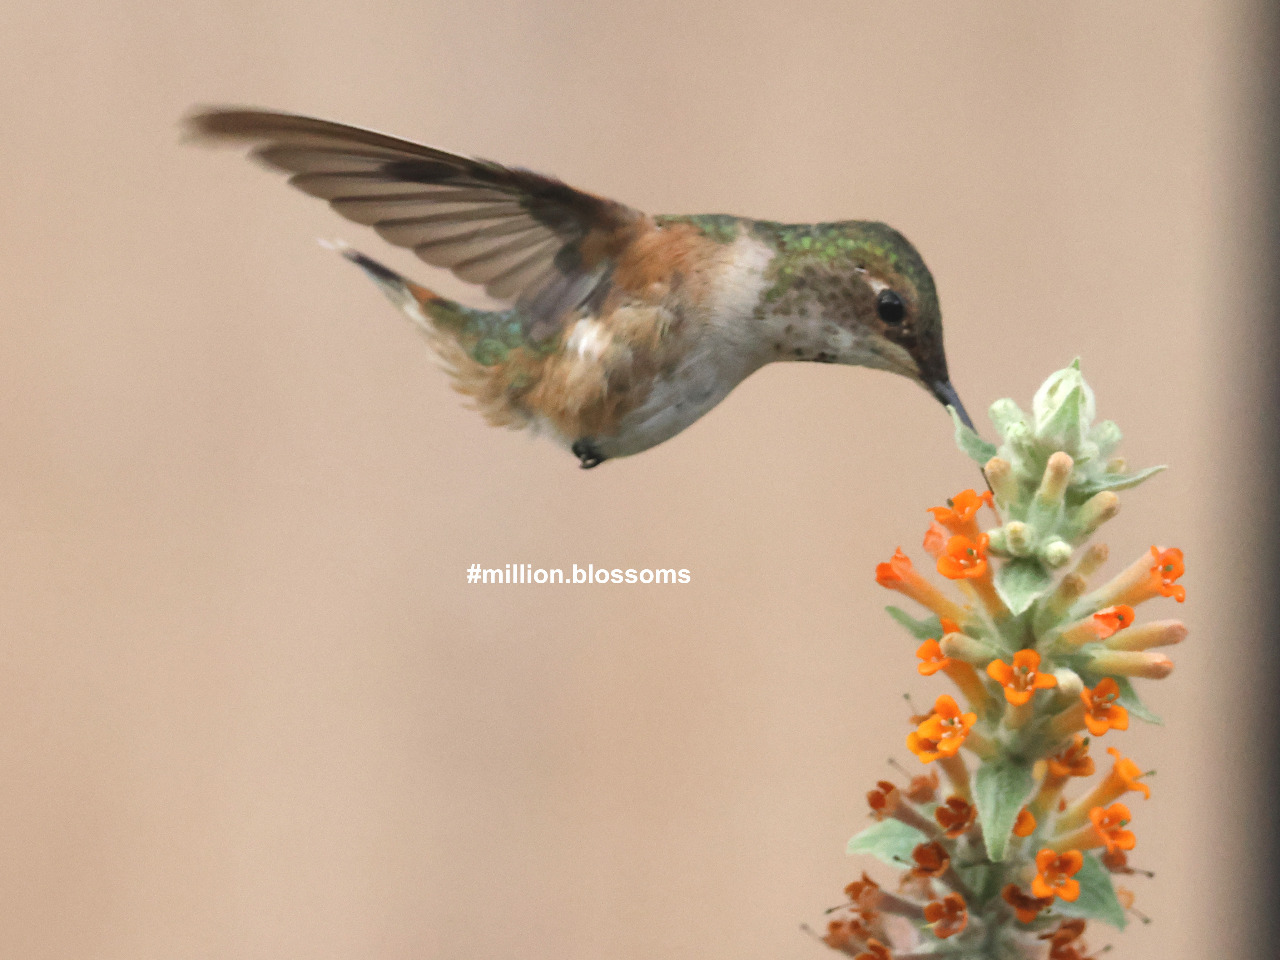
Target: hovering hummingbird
[[624, 328]]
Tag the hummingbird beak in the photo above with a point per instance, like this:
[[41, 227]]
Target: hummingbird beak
[[945, 392]]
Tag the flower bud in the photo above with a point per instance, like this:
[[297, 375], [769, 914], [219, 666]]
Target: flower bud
[[1064, 408], [1056, 553]]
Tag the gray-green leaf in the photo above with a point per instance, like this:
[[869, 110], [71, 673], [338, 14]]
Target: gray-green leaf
[[968, 440], [1000, 791], [1097, 900], [890, 840], [1128, 698], [1115, 481], [930, 628], [1020, 581]]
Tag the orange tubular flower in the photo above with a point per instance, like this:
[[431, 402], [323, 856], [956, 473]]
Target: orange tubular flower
[[1111, 620], [864, 897], [1123, 778], [930, 859], [1054, 874], [1025, 825], [875, 951], [942, 732], [1110, 824], [955, 816], [883, 800], [964, 559], [1027, 908], [932, 659], [1072, 760], [923, 788], [947, 916], [1021, 680], [898, 574], [1101, 712], [844, 931], [1168, 567], [1066, 932], [935, 540], [1151, 575], [959, 513]]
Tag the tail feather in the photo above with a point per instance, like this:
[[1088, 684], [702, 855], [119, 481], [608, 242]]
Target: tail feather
[[400, 290], [457, 333]]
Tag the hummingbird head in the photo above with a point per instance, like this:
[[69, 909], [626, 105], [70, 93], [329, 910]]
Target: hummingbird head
[[858, 292]]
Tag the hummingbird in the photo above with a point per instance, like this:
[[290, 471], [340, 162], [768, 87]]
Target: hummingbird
[[623, 328]]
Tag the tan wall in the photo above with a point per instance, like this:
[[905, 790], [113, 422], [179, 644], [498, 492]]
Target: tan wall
[[248, 706]]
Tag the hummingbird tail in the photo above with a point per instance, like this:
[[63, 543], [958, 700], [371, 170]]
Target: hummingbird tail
[[462, 337], [410, 297]]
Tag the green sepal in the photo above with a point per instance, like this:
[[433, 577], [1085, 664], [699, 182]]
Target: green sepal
[[1129, 699], [930, 628], [1000, 790], [1020, 582], [1115, 481], [967, 439], [1097, 900], [889, 840]]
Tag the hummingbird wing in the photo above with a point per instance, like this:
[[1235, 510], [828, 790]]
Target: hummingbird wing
[[526, 238]]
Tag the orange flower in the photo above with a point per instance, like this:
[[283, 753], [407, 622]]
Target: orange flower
[[864, 897], [923, 788], [1027, 908], [897, 570], [1021, 680], [1059, 938], [955, 816], [947, 916], [875, 951], [932, 658], [1025, 825], [935, 540], [1054, 874], [964, 559], [1111, 620], [1125, 773], [1110, 824], [1123, 778], [1102, 713], [883, 800], [931, 860], [1167, 568], [1072, 760], [958, 515], [843, 931], [898, 574], [942, 732]]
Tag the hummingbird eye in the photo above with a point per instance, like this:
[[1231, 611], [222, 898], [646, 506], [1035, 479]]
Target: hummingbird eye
[[890, 307]]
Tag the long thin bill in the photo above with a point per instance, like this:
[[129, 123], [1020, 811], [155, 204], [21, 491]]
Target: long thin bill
[[945, 392]]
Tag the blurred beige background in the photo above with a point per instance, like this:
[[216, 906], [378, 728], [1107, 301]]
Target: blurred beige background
[[248, 705]]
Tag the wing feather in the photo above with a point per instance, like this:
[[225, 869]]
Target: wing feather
[[525, 237]]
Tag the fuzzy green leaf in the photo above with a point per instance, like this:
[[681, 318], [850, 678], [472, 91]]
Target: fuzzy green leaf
[[968, 440], [1129, 699], [1000, 790], [1097, 900], [930, 628], [890, 840], [1019, 582], [1116, 481]]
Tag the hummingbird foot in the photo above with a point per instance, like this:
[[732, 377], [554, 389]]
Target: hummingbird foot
[[587, 454]]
